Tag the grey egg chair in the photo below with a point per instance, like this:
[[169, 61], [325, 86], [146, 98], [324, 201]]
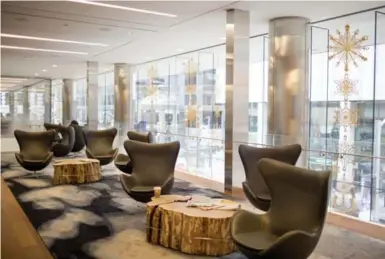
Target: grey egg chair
[[123, 161], [35, 149], [66, 144], [152, 165], [293, 225], [80, 143], [255, 187], [99, 145]]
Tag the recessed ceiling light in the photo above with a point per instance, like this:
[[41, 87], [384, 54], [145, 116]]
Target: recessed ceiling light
[[44, 70], [44, 50], [123, 8], [36, 74], [54, 65], [24, 37], [12, 79]]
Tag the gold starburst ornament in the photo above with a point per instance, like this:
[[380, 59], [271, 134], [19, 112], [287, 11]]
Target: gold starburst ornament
[[347, 47], [346, 87]]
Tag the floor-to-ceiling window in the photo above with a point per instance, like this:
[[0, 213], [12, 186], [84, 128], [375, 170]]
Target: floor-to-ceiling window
[[106, 100], [57, 101], [36, 105], [182, 98], [347, 111], [80, 97]]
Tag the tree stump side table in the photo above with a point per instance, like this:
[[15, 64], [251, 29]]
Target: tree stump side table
[[73, 171], [189, 230]]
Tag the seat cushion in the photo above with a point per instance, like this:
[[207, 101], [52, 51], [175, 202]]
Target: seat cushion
[[255, 240]]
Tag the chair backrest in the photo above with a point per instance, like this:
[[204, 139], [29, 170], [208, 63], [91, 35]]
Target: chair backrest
[[79, 137], [142, 137], [100, 142], [299, 196], [250, 157], [35, 145], [152, 164]]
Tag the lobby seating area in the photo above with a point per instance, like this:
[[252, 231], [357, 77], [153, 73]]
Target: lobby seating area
[[192, 130], [288, 224]]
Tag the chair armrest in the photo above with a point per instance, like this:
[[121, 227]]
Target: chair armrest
[[127, 181], [114, 152], [168, 181], [49, 157], [89, 154], [303, 242], [244, 221]]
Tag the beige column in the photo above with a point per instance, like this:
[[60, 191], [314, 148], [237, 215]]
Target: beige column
[[92, 95], [68, 101]]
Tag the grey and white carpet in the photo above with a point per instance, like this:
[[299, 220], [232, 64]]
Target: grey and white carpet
[[99, 220]]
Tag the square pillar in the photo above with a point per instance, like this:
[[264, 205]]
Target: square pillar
[[68, 101], [237, 94]]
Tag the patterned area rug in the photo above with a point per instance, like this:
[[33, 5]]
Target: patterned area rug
[[99, 220]]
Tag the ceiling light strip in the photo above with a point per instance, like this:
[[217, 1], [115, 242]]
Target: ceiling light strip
[[24, 37], [124, 8], [44, 50]]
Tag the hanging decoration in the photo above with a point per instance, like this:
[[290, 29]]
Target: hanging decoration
[[190, 89], [346, 48]]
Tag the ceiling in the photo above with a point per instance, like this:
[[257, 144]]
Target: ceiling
[[132, 37]]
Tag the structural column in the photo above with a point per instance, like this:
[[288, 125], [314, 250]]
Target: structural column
[[92, 95], [47, 101], [237, 94], [122, 93], [288, 95], [68, 100]]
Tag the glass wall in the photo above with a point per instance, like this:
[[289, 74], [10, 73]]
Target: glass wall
[[57, 101], [106, 100], [182, 98], [348, 110], [36, 105], [80, 96]]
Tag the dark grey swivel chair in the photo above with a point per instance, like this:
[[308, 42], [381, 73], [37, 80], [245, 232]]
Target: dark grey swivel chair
[[123, 161], [64, 147], [35, 149], [293, 225], [99, 145], [80, 143], [255, 187], [153, 165]]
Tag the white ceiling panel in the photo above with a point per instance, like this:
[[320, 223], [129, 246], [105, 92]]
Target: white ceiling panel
[[134, 37]]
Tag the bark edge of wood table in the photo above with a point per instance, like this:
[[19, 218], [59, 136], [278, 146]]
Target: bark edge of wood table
[[189, 230], [77, 170]]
